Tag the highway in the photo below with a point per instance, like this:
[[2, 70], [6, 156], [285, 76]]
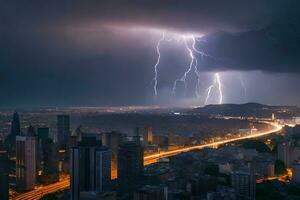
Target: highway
[[149, 159], [42, 190]]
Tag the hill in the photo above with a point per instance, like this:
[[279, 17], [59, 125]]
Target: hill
[[244, 110]]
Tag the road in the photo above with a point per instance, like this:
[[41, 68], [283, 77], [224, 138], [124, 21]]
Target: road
[[39, 192], [149, 159]]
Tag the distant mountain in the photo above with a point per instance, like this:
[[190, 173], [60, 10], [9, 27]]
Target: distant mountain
[[245, 110]]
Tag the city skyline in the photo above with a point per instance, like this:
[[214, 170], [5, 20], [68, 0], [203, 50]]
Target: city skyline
[[150, 100]]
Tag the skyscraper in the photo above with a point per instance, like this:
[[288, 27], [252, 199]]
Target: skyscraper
[[43, 133], [284, 153], [244, 184], [90, 167], [130, 162], [31, 131], [15, 125], [3, 173], [148, 136], [171, 138], [14, 131], [112, 140], [296, 172], [50, 160], [25, 162], [63, 129]]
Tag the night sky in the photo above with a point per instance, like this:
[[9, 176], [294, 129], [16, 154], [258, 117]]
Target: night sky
[[100, 53]]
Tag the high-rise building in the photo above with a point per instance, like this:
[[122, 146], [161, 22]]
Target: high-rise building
[[63, 129], [43, 133], [296, 172], [50, 160], [4, 195], [262, 166], [160, 140], [15, 125], [244, 184], [148, 136], [130, 162], [75, 137], [112, 140], [31, 131], [90, 167], [284, 153], [14, 131], [25, 162], [171, 138], [42, 136]]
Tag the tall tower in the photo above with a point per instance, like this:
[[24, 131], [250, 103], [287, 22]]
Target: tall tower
[[90, 167], [284, 153], [171, 138], [15, 130], [244, 184], [130, 162], [148, 136], [50, 160], [25, 162], [112, 140], [15, 125], [63, 129], [3, 173]]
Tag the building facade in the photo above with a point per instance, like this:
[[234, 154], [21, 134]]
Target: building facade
[[25, 162], [63, 129], [244, 184], [130, 162], [4, 174], [148, 136], [90, 167]]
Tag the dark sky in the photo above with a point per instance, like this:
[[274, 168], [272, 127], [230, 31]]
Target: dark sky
[[98, 52]]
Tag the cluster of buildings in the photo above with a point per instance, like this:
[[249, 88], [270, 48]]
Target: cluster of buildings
[[203, 175], [289, 152], [92, 160], [110, 165], [32, 156]]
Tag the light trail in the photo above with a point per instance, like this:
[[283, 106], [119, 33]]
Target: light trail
[[275, 129], [149, 159], [41, 191]]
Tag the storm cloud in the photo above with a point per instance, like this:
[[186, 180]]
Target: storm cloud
[[102, 52]]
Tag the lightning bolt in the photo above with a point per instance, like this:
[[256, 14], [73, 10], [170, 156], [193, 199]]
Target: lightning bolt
[[157, 63], [217, 81], [243, 85], [208, 93], [196, 70], [192, 57], [190, 45], [220, 88]]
